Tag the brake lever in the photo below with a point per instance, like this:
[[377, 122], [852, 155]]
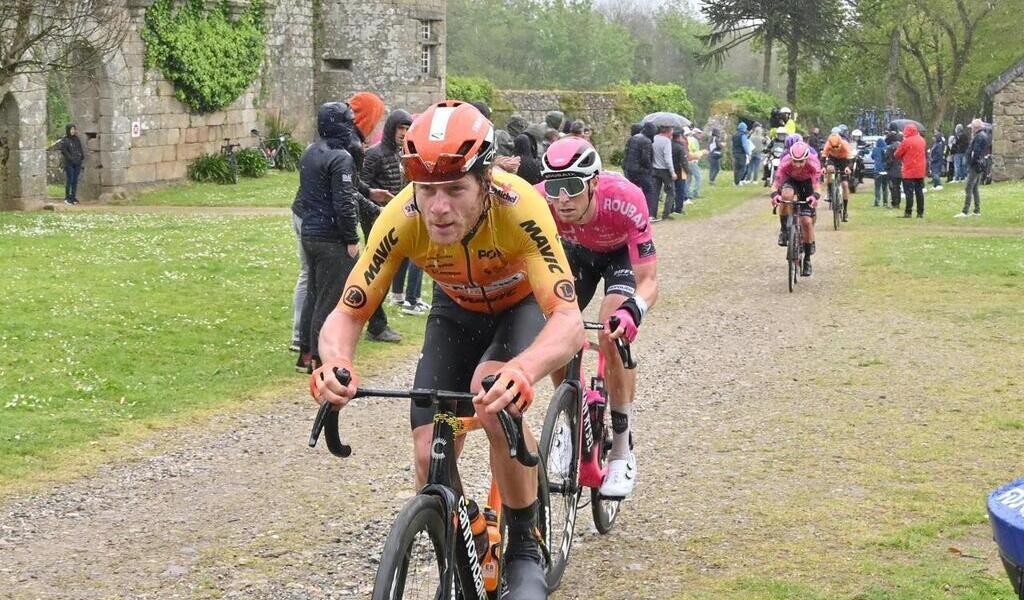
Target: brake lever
[[327, 421], [512, 427], [622, 346]]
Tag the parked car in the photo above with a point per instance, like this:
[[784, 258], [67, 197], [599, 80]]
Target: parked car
[[864, 151]]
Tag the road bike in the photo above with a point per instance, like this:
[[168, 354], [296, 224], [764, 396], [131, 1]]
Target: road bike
[[430, 552], [227, 150], [794, 244], [274, 150], [574, 448]]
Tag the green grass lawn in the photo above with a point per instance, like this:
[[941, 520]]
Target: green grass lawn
[[923, 415], [114, 323], [276, 188]]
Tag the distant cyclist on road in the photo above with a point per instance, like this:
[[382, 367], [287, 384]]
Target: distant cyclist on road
[[798, 179], [489, 242], [602, 219]]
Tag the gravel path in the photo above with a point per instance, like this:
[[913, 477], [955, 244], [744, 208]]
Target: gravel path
[[240, 508]]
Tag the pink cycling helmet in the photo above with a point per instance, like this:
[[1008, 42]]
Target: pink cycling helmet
[[570, 157], [800, 151]]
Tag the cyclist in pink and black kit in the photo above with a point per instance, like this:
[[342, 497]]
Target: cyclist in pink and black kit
[[602, 219], [798, 177]]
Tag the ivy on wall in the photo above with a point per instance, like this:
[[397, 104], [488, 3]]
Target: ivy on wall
[[209, 58]]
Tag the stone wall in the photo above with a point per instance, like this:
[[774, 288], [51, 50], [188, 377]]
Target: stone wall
[[1008, 131], [596, 109], [378, 46], [315, 51]]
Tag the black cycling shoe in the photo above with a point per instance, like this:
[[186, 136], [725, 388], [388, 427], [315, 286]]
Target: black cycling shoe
[[783, 237], [806, 270], [523, 577]]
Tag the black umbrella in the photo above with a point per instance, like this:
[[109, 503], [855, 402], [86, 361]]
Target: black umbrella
[[901, 124]]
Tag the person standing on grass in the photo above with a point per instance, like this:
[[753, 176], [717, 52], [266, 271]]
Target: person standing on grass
[[680, 164], [714, 155], [73, 155], [369, 113], [913, 156], [936, 158], [894, 167], [329, 204], [664, 172], [638, 162], [976, 164], [881, 175], [382, 168], [693, 163], [740, 153]]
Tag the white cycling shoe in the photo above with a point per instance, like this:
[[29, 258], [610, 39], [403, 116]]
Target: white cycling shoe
[[620, 479]]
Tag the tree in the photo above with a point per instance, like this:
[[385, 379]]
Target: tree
[[803, 26], [39, 36]]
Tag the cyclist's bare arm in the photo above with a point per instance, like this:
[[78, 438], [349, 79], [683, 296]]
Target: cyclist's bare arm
[[338, 339], [647, 281]]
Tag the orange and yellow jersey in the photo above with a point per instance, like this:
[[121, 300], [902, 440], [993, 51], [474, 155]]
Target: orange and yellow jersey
[[840, 150], [513, 253]]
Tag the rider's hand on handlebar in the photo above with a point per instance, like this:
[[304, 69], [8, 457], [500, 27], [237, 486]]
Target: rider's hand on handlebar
[[627, 326], [776, 199], [814, 200], [325, 387], [511, 380]]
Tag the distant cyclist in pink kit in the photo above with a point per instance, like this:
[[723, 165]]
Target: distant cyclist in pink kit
[[602, 219]]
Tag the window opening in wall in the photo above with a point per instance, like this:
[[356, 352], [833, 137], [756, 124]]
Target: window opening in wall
[[338, 64], [425, 30], [425, 59]]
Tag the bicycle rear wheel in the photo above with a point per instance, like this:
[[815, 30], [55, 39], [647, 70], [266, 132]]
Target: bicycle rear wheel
[[559, 470], [604, 509], [412, 563]]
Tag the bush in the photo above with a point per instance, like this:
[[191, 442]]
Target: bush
[[645, 98], [617, 156], [752, 105], [210, 167], [290, 161], [470, 89], [210, 59], [251, 163]]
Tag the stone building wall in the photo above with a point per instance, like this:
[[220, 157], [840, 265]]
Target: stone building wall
[[316, 50], [1008, 131], [379, 46]]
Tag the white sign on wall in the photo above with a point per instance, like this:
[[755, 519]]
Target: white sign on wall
[[136, 129]]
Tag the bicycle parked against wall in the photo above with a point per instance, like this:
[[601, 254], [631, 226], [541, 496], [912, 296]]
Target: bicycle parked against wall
[[228, 151], [433, 549], [574, 448], [274, 150]]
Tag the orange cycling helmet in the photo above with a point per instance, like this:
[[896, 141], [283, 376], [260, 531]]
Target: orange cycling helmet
[[448, 140]]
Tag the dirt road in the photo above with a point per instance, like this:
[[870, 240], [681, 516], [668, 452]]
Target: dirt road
[[242, 509]]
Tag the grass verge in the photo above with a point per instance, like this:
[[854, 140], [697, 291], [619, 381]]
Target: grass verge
[[276, 188], [117, 323]]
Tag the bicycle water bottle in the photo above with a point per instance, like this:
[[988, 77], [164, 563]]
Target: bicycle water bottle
[[489, 565], [478, 523]]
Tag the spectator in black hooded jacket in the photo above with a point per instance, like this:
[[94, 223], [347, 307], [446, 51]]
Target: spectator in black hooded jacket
[[638, 160], [529, 165], [329, 202], [73, 156]]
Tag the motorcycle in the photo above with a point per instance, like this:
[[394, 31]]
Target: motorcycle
[[772, 159]]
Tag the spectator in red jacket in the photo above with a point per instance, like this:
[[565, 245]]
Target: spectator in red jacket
[[912, 154]]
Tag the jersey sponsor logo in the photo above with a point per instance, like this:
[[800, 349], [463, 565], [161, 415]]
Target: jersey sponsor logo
[[380, 256], [346, 178], [354, 297], [626, 209], [645, 249], [484, 253], [625, 290], [543, 245], [504, 193], [565, 290], [475, 291], [410, 208]]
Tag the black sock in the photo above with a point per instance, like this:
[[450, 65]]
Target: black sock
[[782, 222], [620, 422], [522, 538], [808, 249]]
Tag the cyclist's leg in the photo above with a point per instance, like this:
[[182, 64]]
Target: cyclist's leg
[[516, 330], [619, 285], [582, 262], [453, 343]]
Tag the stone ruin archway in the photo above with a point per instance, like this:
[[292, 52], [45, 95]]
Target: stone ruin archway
[[9, 187]]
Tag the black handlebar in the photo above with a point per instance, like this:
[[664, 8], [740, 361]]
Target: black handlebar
[[327, 419]]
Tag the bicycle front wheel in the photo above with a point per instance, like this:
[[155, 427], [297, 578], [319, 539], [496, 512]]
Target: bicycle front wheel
[[792, 254], [560, 451], [412, 563], [836, 198]]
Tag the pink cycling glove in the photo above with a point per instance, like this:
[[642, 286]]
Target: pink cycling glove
[[626, 321]]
